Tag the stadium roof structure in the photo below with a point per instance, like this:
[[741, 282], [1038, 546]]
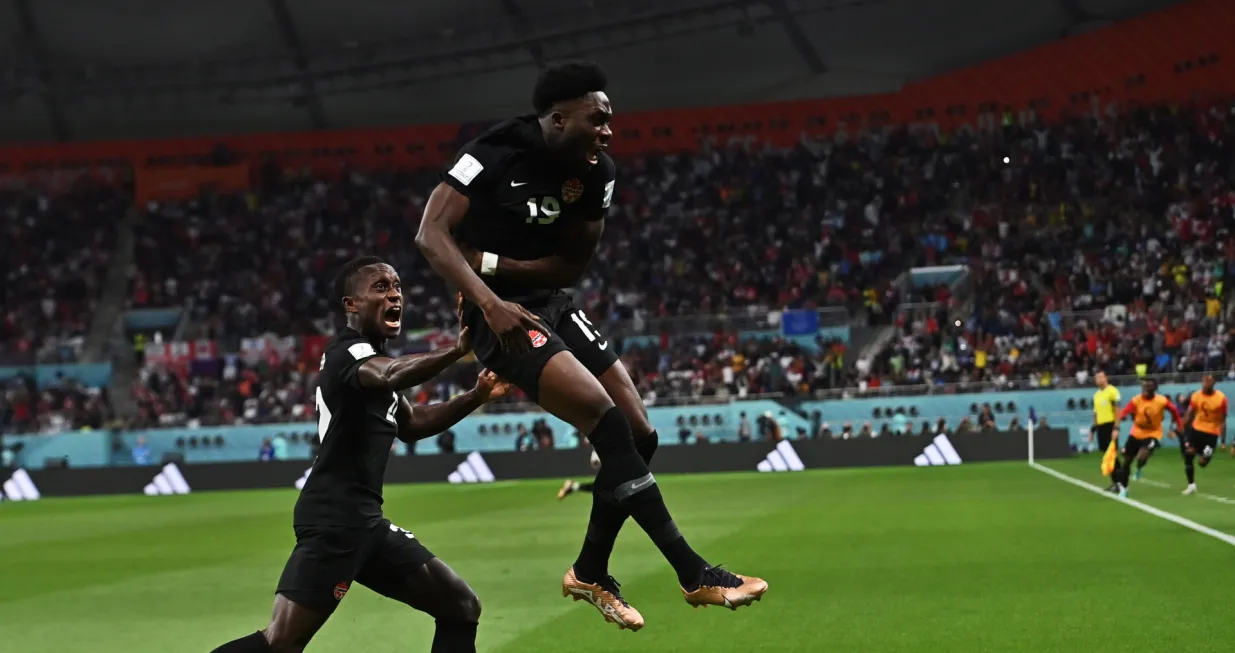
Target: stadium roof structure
[[90, 69]]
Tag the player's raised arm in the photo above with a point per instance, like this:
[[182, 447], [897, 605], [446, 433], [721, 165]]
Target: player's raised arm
[[445, 209], [420, 422], [396, 374]]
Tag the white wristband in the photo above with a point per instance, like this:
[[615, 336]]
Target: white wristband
[[488, 264]]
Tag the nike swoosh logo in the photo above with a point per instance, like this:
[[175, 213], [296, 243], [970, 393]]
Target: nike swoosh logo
[[517, 184], [636, 486], [604, 345]]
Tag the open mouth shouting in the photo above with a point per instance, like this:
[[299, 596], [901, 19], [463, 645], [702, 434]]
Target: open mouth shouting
[[593, 154], [393, 317]]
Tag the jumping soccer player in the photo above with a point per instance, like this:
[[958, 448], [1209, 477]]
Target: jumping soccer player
[[571, 486], [341, 535], [1148, 410], [1206, 423], [1105, 403], [526, 201]]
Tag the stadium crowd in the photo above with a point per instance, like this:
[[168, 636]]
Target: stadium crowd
[[1095, 242], [1107, 245], [56, 246], [62, 405]]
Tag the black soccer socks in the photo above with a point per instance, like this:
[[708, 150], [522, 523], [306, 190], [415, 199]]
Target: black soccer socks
[[255, 643], [624, 473], [454, 637], [1188, 468], [606, 522]]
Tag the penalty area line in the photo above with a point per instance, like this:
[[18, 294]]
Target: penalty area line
[[1143, 507]]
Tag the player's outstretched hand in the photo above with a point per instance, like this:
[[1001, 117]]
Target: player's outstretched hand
[[463, 344], [490, 386], [511, 322]]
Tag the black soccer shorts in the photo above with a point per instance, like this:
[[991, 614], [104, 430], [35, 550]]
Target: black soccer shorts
[[1203, 444], [1134, 445], [327, 559], [565, 327], [1102, 433]]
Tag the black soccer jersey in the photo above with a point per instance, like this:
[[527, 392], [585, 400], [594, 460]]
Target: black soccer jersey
[[521, 196], [356, 428]]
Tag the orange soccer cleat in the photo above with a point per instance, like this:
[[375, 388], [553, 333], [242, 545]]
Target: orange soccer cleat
[[718, 586], [605, 597]]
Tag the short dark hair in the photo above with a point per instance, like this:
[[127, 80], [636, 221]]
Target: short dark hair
[[567, 80], [345, 280]]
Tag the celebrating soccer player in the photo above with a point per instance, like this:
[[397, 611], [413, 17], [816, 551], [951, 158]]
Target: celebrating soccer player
[[1206, 423], [341, 535], [517, 218]]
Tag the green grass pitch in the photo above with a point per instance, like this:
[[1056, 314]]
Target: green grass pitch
[[995, 557]]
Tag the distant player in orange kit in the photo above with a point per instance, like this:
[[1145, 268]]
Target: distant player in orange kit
[[1147, 410], [1205, 423]]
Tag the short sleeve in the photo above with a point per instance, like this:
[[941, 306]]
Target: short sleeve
[[475, 168], [342, 363], [598, 196]]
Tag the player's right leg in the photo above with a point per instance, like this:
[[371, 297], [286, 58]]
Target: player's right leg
[[316, 577], [568, 391], [291, 627], [1190, 471], [608, 515], [592, 350]]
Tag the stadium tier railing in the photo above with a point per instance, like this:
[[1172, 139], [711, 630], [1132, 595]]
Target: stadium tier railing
[[751, 318], [984, 387]]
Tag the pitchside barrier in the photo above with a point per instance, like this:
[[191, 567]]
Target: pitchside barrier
[[172, 478]]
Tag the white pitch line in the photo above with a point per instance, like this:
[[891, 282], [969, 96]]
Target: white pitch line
[[1143, 507], [1204, 495]]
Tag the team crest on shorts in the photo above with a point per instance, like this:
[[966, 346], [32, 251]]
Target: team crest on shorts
[[538, 339], [340, 590], [572, 190]]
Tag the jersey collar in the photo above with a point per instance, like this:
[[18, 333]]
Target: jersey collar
[[348, 332]]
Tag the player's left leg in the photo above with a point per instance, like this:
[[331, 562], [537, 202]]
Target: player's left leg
[[404, 570], [1143, 456]]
